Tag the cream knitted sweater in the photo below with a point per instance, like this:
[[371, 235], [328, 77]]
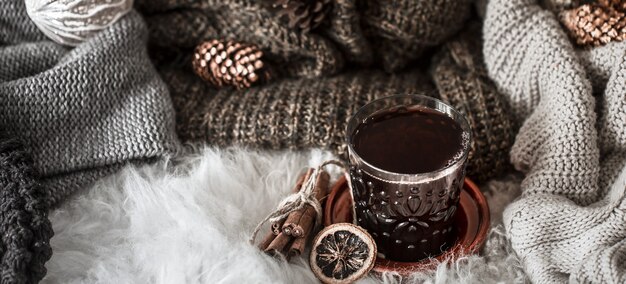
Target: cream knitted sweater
[[570, 223]]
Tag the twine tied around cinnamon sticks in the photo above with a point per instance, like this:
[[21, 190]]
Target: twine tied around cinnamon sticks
[[297, 214]]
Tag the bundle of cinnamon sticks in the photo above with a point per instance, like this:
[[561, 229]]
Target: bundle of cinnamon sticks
[[290, 236]]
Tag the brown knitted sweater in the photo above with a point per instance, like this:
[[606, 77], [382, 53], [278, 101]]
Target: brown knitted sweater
[[364, 50]]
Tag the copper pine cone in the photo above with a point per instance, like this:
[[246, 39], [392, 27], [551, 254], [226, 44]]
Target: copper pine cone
[[225, 63], [594, 24], [304, 15]]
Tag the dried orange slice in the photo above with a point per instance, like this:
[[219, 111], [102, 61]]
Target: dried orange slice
[[342, 253]]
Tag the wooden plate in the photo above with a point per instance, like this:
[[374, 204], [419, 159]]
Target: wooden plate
[[472, 221]]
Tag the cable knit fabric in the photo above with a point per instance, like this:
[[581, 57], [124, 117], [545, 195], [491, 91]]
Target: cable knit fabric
[[25, 231], [81, 112], [570, 224]]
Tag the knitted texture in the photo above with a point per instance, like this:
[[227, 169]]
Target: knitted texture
[[24, 226], [82, 111], [403, 30], [304, 15], [461, 79], [291, 114], [387, 33], [311, 108], [570, 223]]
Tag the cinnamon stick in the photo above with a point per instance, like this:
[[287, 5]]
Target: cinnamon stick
[[307, 214], [292, 222], [267, 241], [299, 244], [277, 227], [290, 235], [302, 230], [297, 248], [321, 186], [301, 179], [307, 219], [293, 217], [277, 246]]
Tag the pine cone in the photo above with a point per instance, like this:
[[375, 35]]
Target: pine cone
[[305, 15], [229, 63], [594, 24]]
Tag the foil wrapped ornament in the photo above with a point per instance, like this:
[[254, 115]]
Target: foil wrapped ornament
[[70, 22]]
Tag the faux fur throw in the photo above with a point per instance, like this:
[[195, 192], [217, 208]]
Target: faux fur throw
[[570, 224], [189, 221], [84, 111]]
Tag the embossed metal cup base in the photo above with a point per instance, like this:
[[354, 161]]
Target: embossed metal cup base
[[409, 222], [409, 215]]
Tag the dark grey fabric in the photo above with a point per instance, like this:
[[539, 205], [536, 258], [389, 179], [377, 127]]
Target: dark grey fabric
[[25, 231]]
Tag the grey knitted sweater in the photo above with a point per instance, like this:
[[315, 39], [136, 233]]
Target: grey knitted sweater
[[570, 223], [85, 111]]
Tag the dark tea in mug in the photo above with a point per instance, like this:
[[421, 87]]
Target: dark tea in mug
[[407, 165]]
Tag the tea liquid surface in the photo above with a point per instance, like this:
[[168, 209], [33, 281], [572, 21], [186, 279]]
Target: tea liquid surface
[[409, 141]]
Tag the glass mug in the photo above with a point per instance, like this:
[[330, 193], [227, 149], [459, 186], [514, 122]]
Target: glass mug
[[410, 216]]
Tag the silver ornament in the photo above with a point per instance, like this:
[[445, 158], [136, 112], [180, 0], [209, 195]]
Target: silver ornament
[[70, 22]]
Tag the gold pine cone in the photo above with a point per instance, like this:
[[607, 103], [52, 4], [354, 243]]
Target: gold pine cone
[[594, 24], [224, 63]]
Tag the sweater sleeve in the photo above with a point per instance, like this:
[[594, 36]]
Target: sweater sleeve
[[26, 230]]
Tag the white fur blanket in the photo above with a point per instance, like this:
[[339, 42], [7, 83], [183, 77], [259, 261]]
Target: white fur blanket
[[188, 221]]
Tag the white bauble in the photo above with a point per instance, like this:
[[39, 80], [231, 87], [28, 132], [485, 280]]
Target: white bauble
[[70, 22]]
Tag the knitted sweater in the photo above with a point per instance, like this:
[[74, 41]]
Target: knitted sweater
[[327, 74], [570, 223], [81, 112], [386, 33], [24, 226]]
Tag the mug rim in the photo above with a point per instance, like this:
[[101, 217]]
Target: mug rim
[[394, 177]]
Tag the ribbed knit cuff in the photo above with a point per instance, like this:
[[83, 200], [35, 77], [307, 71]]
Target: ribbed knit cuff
[[25, 230]]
